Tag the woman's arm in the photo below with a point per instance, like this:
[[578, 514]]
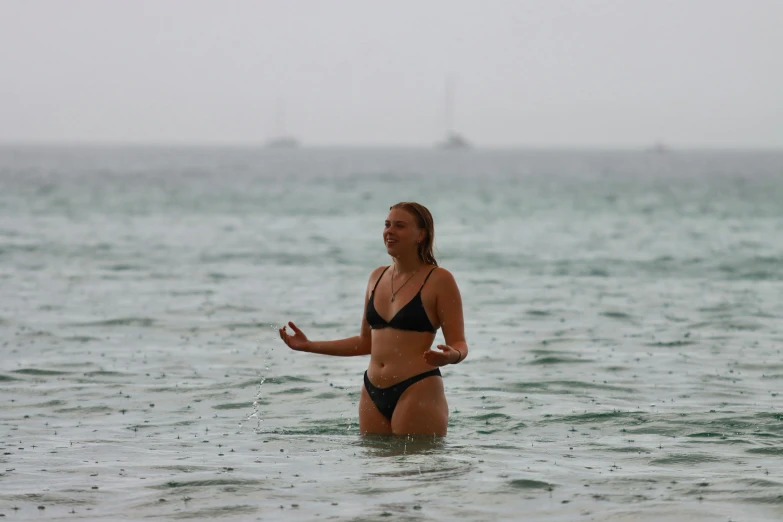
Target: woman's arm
[[357, 345], [449, 308], [341, 347]]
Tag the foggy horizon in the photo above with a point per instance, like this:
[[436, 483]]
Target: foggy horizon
[[524, 75], [435, 146]]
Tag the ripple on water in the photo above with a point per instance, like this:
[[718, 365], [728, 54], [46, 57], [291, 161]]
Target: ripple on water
[[107, 373], [768, 499], [394, 446], [123, 267], [769, 450], [327, 395], [530, 484], [558, 360], [609, 416], [234, 405], [487, 417], [622, 316], [329, 427], [426, 473], [762, 483], [39, 372], [707, 434], [670, 344], [561, 387], [85, 410], [48, 404], [81, 339], [215, 512], [292, 391], [245, 326], [54, 499], [627, 449], [207, 483], [685, 459], [122, 321], [283, 379]]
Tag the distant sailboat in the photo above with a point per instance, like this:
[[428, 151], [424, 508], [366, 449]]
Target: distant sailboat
[[453, 140], [285, 142], [282, 140], [659, 148]]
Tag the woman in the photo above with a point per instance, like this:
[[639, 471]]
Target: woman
[[403, 388]]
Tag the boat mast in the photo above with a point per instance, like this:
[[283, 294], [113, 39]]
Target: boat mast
[[449, 110], [280, 119]]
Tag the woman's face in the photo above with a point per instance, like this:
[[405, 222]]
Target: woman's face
[[400, 232]]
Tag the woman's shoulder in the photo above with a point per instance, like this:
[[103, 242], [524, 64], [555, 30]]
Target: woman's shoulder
[[440, 275], [376, 272]]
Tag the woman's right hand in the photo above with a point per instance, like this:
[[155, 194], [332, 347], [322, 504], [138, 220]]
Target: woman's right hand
[[298, 341]]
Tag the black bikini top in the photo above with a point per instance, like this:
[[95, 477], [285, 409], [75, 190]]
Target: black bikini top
[[411, 317]]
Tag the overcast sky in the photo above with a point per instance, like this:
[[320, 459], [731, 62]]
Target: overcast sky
[[705, 73]]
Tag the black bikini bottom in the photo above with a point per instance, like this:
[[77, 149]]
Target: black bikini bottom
[[385, 399]]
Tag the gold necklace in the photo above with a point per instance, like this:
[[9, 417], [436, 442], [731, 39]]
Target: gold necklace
[[391, 281]]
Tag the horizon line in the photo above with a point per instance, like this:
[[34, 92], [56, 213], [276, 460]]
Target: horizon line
[[655, 147]]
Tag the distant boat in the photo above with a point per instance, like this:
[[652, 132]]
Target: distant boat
[[453, 140], [282, 140], [659, 148], [285, 142]]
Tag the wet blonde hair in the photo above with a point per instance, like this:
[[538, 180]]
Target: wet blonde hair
[[423, 220]]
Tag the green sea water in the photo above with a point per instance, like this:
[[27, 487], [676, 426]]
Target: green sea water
[[622, 310]]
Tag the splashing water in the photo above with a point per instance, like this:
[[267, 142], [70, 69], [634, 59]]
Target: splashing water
[[255, 414]]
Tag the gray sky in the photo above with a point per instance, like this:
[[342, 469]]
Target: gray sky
[[362, 72]]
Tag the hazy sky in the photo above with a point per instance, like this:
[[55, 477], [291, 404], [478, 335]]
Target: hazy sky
[[622, 73]]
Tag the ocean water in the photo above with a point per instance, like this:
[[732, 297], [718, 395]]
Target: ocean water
[[623, 311]]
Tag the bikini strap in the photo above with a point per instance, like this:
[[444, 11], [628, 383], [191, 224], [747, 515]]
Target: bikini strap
[[425, 279], [379, 279]]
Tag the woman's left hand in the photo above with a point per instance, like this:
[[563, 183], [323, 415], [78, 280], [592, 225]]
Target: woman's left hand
[[446, 355]]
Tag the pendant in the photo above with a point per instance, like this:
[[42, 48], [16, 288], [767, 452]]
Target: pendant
[[392, 299]]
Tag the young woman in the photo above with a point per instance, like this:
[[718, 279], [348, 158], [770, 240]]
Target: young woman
[[404, 305]]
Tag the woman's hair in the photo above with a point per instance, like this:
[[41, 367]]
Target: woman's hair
[[423, 220]]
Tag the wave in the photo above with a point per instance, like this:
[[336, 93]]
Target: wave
[[123, 321], [530, 484], [39, 371]]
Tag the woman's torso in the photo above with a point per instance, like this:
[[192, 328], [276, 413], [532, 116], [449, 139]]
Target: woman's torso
[[399, 353]]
